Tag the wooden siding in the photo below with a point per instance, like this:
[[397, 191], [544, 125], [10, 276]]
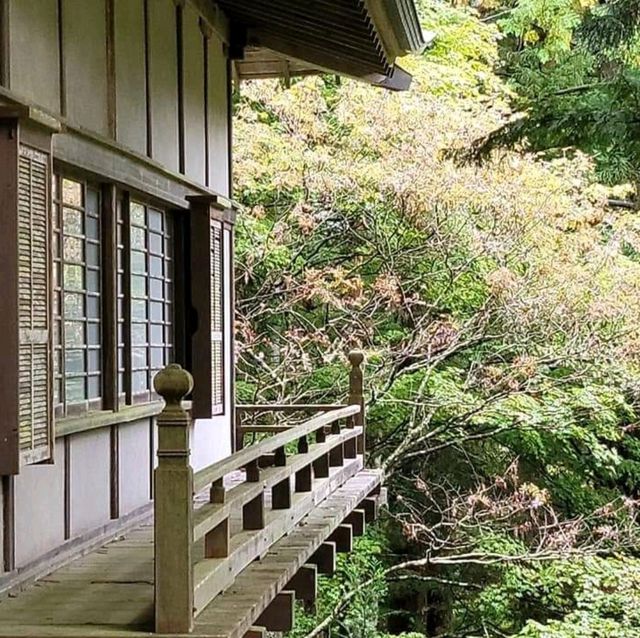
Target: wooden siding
[[193, 97], [130, 71], [163, 83], [217, 116], [130, 74], [35, 54], [84, 52]]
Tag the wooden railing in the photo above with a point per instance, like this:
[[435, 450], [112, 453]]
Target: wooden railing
[[255, 496]]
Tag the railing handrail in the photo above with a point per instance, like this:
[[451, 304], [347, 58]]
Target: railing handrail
[[287, 407], [244, 457], [183, 587]]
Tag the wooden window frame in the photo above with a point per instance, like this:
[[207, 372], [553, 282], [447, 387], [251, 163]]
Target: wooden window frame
[[127, 395], [62, 407], [206, 217]]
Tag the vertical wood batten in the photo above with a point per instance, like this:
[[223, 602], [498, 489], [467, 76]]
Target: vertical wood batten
[[110, 45], [8, 524], [180, 82], [67, 487], [114, 491], [5, 47], [110, 297]]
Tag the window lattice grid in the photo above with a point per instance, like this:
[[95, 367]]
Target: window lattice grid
[[151, 283], [77, 295]]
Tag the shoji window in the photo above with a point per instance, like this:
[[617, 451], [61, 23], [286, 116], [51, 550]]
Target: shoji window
[[77, 296], [145, 297]]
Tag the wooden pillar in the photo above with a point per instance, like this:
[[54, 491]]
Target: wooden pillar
[[356, 394], [173, 506]]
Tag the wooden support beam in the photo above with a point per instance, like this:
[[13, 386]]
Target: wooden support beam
[[370, 507], [256, 632], [305, 584], [343, 538], [321, 466], [278, 616], [253, 514], [336, 456], [281, 495], [357, 520], [325, 558], [304, 479], [321, 435], [267, 460], [216, 542]]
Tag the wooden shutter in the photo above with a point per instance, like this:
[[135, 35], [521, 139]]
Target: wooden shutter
[[35, 424], [207, 301], [26, 428]]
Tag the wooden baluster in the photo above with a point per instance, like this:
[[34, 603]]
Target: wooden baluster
[[304, 477], [281, 492], [216, 541], [356, 394], [173, 506], [253, 511], [336, 456]]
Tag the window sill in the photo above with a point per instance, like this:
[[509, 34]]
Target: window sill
[[102, 419]]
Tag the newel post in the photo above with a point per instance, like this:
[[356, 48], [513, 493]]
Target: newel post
[[173, 506], [356, 394]]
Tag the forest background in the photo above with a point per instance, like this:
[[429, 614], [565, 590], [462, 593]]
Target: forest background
[[478, 238]]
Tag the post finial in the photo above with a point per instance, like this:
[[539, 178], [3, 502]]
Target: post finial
[[173, 383], [356, 357]]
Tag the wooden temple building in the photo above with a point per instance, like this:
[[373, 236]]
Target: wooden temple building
[[129, 505]]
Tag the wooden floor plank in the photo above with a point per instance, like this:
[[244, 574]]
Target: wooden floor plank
[[109, 592]]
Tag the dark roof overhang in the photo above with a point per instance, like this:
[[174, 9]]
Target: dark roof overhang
[[357, 38]]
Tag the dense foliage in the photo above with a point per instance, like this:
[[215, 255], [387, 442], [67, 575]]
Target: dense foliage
[[497, 305]]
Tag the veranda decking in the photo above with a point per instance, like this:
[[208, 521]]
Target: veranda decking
[[110, 591], [234, 558]]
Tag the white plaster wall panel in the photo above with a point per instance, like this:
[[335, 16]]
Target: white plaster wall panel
[[84, 56], [193, 96], [210, 441], [133, 465], [90, 477], [131, 98], [163, 82], [34, 54], [217, 103], [39, 508]]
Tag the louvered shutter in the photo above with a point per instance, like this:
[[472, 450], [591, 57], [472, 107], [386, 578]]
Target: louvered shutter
[[33, 306], [207, 301], [26, 426]]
